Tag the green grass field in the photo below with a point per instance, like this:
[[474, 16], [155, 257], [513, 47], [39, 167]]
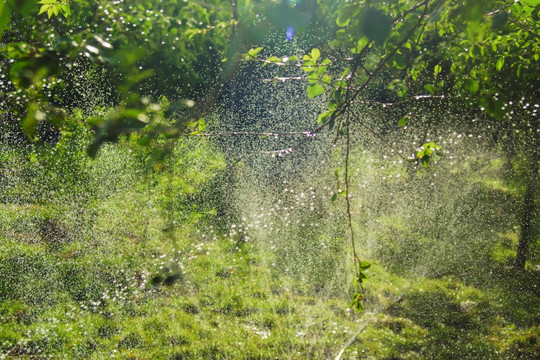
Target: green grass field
[[126, 268], [222, 303]]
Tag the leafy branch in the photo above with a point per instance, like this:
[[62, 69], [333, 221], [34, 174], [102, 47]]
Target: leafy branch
[[54, 7]]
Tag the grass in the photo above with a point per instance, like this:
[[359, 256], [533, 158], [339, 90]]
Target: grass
[[227, 305], [135, 272]]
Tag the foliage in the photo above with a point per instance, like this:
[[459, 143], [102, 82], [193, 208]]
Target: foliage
[[134, 46], [54, 7], [434, 46]]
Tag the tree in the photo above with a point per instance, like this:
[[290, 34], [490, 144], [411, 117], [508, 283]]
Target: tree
[[125, 52]]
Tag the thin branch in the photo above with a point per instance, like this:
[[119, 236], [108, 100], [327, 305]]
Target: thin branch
[[287, 78], [274, 153], [362, 327], [249, 133], [284, 78], [524, 28], [347, 195], [413, 98], [495, 12], [338, 130], [417, 6], [420, 35], [368, 73]]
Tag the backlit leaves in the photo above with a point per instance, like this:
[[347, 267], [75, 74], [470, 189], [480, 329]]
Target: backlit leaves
[[471, 86], [426, 153], [500, 63], [346, 13], [315, 90], [358, 302], [403, 121], [54, 7]]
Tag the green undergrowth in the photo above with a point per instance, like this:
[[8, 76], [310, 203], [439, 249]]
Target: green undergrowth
[[223, 304], [110, 261]]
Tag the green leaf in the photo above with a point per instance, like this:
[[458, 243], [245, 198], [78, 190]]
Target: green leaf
[[345, 73], [313, 78], [518, 71], [430, 88], [403, 121], [315, 54], [315, 90], [361, 277], [531, 3], [43, 9], [357, 302], [340, 84], [66, 10], [364, 265], [500, 63], [322, 117], [361, 43], [33, 117], [253, 52], [400, 62], [471, 86], [437, 70], [344, 17]]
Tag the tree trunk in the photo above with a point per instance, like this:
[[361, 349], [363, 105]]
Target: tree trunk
[[529, 209]]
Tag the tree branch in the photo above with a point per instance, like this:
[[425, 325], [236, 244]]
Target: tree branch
[[524, 28]]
